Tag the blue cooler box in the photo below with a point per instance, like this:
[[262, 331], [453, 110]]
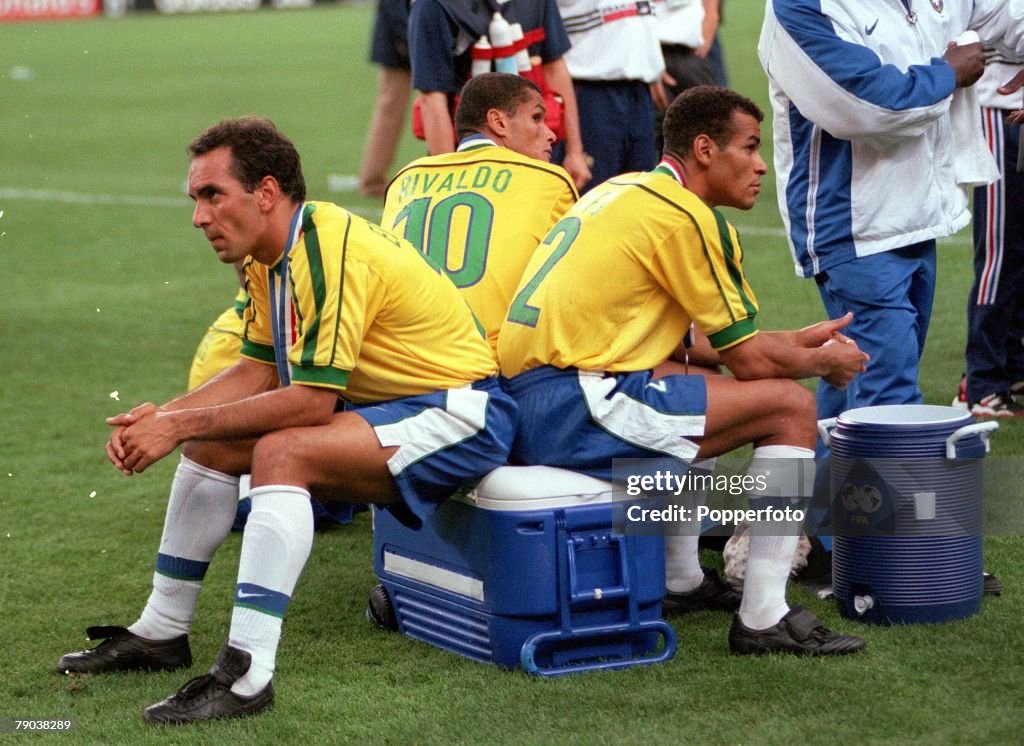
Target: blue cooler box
[[526, 570]]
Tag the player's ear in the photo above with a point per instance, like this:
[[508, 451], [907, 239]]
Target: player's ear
[[497, 122], [267, 192], [703, 149]]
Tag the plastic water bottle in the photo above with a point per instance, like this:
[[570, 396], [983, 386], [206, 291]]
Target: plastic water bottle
[[481, 56], [501, 42], [519, 44]]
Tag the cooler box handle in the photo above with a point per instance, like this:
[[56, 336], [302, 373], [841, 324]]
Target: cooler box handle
[[981, 429], [578, 594], [528, 653]]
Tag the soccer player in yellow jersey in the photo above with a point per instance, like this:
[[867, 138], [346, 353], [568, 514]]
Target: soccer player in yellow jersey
[[480, 212], [218, 350], [363, 378], [594, 349]]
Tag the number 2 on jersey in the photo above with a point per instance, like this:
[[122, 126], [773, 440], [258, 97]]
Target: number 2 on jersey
[[564, 233]]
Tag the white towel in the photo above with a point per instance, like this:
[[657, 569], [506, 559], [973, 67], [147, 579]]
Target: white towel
[[972, 161]]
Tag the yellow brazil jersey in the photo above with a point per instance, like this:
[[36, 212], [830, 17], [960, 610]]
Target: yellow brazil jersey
[[479, 213], [617, 282], [366, 313]]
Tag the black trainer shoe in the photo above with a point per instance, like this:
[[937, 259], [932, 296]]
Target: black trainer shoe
[[798, 633], [380, 611], [122, 650], [209, 697], [713, 594]]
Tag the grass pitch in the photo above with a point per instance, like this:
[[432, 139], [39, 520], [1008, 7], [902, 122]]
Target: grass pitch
[[108, 291]]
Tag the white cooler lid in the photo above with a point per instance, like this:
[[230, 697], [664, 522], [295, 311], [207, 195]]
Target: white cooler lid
[[904, 414], [537, 488]]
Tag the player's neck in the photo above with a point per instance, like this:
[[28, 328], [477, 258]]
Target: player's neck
[[477, 140], [278, 234], [689, 173], [672, 165]]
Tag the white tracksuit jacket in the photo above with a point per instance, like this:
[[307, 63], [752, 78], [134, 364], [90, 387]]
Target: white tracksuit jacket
[[860, 99]]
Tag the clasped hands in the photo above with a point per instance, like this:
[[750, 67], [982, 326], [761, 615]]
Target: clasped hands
[[141, 437], [845, 359]]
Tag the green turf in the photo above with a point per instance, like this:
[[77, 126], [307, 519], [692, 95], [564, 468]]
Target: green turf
[[108, 289]]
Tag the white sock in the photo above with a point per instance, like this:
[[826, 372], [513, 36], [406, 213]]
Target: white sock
[[683, 572], [277, 541], [786, 472], [200, 512]]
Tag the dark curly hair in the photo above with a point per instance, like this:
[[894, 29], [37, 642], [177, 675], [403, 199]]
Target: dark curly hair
[[703, 110], [258, 149]]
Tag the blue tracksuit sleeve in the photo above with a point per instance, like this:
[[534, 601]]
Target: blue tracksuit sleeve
[[830, 72]]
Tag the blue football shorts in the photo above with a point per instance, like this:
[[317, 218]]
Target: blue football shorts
[[446, 440], [581, 420]]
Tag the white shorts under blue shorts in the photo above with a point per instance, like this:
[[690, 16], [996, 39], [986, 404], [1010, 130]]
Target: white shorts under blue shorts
[[581, 420], [446, 440]]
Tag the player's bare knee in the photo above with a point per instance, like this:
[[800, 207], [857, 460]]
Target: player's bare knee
[[790, 401], [278, 454], [795, 414], [213, 455]]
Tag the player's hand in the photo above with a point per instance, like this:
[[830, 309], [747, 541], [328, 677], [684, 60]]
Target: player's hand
[[576, 166], [128, 418], [115, 452], [115, 447], [967, 61], [823, 332], [845, 360], [148, 440]]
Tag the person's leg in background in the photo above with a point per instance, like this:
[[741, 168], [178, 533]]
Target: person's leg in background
[[716, 56], [994, 360], [616, 126], [385, 130], [890, 295], [389, 49]]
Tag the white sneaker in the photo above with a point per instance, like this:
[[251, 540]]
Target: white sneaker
[[1000, 404]]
